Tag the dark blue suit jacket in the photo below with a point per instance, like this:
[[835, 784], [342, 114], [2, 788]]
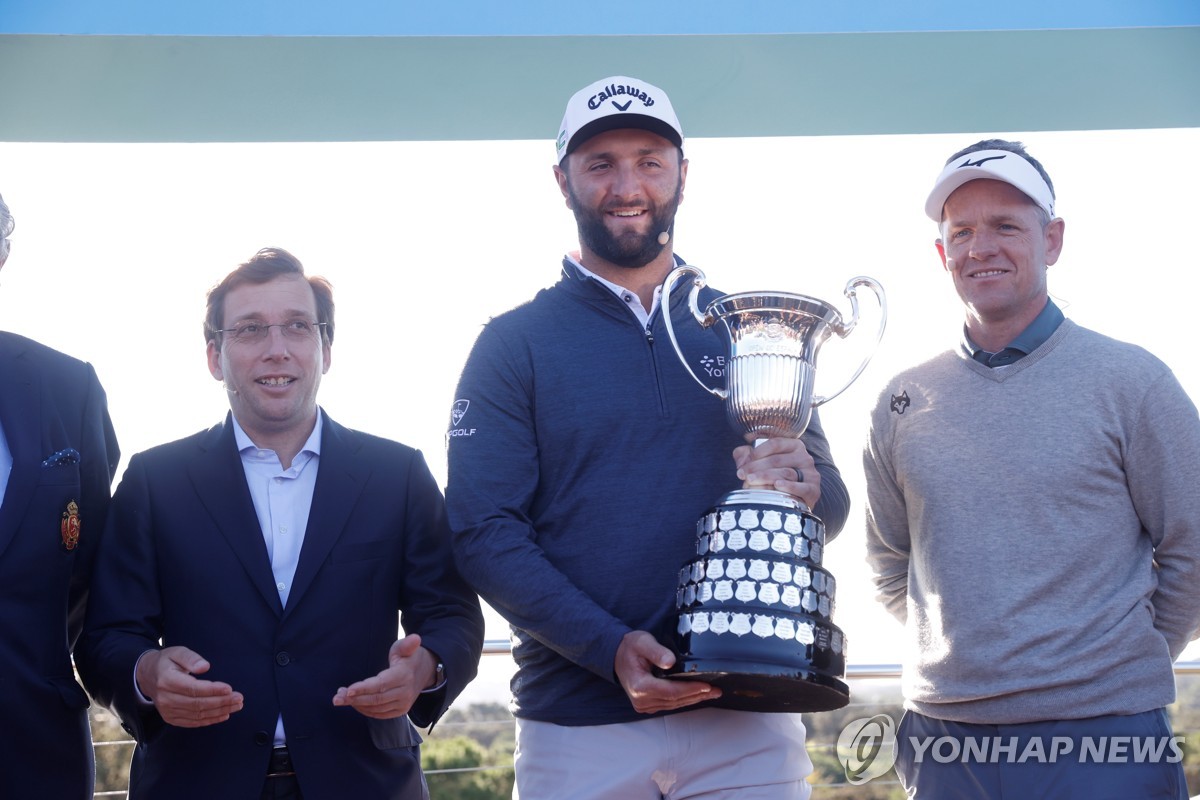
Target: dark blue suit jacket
[[56, 424], [185, 561]]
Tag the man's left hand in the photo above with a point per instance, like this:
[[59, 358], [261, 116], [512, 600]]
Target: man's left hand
[[782, 464], [391, 693]]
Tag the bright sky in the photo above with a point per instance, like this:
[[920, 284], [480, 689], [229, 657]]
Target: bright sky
[[116, 246], [548, 17]]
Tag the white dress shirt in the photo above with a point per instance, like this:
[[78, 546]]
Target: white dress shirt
[[282, 499]]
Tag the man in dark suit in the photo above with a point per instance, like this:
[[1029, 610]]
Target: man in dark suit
[[270, 555], [58, 455]]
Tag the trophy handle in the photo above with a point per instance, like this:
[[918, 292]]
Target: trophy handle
[[845, 329], [698, 282]]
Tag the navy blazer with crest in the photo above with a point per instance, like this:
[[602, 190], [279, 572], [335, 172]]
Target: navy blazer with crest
[[185, 560], [56, 424]]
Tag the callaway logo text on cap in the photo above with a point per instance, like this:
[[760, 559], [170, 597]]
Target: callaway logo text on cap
[[616, 102]]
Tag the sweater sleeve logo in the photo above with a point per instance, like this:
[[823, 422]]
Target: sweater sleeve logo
[[457, 412], [900, 402], [713, 367]]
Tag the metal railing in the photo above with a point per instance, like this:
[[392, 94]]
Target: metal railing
[[501, 647]]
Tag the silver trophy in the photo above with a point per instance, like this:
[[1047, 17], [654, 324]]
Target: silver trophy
[[755, 607]]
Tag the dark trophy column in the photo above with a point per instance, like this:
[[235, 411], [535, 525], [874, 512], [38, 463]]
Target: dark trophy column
[[755, 605]]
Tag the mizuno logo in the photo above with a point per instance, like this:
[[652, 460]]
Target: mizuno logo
[[979, 163], [620, 107]]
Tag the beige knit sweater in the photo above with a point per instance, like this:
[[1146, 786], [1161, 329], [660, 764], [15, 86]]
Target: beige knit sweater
[[1037, 527]]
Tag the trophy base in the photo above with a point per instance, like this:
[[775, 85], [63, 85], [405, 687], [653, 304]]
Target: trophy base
[[765, 688], [755, 608]]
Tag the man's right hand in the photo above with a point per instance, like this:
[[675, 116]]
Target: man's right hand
[[166, 678], [638, 654]]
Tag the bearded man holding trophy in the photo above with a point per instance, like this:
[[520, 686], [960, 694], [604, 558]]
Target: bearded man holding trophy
[[582, 453]]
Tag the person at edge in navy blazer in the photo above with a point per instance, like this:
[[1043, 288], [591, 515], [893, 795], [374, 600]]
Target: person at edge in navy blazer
[[58, 456], [270, 555]]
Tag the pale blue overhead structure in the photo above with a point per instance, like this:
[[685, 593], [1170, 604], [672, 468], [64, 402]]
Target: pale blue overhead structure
[[359, 70]]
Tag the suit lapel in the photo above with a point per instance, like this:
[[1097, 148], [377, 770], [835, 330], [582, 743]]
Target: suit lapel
[[220, 481], [340, 481], [21, 415]]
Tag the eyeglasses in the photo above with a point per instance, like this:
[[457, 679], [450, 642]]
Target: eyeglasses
[[252, 332]]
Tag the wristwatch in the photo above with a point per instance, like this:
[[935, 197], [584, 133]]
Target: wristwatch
[[439, 675]]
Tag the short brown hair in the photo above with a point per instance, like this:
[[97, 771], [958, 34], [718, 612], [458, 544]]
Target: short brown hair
[[266, 265]]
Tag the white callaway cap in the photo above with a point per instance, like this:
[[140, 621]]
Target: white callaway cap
[[616, 102], [997, 165]]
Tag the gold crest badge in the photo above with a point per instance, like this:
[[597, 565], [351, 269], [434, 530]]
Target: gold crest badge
[[70, 526]]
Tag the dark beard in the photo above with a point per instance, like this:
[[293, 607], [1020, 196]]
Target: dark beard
[[630, 250]]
